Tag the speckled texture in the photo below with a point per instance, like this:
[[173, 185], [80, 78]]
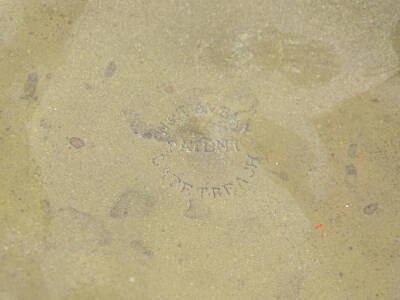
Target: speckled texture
[[199, 149]]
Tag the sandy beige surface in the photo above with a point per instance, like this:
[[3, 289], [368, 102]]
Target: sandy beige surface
[[199, 149]]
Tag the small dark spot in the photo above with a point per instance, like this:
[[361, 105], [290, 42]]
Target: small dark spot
[[350, 178], [88, 86], [159, 133], [350, 248], [284, 176], [281, 175], [374, 100], [148, 135], [340, 274], [196, 210], [49, 76], [30, 86], [45, 205], [396, 38], [120, 209], [31, 33], [44, 124], [370, 208], [179, 245], [137, 125], [110, 69], [73, 212], [132, 203], [76, 142], [8, 129], [141, 249], [351, 170], [352, 150]]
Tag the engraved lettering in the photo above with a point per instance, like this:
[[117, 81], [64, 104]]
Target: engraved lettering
[[242, 127], [183, 111], [186, 186], [239, 179], [157, 134], [202, 190], [175, 178], [163, 127], [197, 145], [251, 161], [224, 112], [200, 109], [171, 145], [179, 141], [216, 191], [233, 145], [185, 147], [251, 171], [178, 179], [226, 187], [203, 145], [155, 159], [209, 146], [222, 145], [211, 108], [171, 121]]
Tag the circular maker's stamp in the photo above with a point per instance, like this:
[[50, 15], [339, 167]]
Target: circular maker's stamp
[[203, 155]]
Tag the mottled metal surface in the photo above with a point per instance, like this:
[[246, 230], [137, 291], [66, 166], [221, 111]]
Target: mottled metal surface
[[199, 149]]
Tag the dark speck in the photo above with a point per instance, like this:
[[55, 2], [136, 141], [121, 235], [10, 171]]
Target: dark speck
[[284, 176], [351, 170], [76, 142], [141, 249], [132, 203], [352, 150], [110, 69], [147, 135], [30, 86], [370, 208], [44, 124]]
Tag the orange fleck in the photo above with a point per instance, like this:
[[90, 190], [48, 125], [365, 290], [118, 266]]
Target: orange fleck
[[169, 89]]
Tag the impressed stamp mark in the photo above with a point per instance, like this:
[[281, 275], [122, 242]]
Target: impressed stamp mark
[[226, 188], [203, 156]]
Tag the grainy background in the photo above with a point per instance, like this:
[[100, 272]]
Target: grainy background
[[199, 149]]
